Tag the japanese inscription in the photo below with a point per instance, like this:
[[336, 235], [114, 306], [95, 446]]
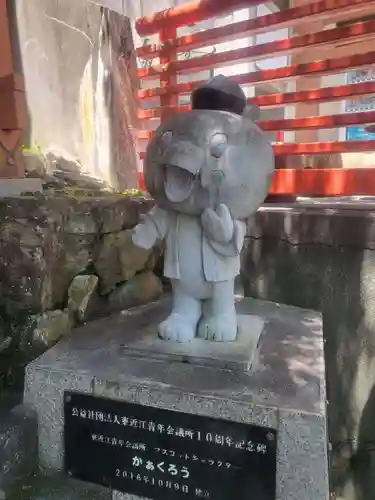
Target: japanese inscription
[[164, 454]]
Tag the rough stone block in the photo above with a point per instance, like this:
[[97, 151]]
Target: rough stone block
[[45, 243], [119, 259], [46, 329], [82, 295], [144, 287]]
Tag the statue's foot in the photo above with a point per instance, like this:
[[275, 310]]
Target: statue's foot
[[177, 328], [221, 328]]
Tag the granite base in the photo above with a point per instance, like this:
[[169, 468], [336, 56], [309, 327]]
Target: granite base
[[286, 390]]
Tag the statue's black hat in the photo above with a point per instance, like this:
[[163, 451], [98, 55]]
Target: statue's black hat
[[220, 94]]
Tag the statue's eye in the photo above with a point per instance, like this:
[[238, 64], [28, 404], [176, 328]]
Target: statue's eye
[[218, 145], [166, 138]]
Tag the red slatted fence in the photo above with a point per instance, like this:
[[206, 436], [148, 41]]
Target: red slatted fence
[[167, 68]]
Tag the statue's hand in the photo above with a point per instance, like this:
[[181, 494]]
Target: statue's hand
[[144, 235], [218, 224]]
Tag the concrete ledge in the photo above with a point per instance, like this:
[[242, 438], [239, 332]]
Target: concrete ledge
[[16, 187], [325, 221]]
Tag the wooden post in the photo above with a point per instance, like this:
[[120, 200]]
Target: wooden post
[[12, 104], [6, 61]]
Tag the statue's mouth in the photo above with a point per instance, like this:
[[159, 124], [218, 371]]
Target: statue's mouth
[[178, 183]]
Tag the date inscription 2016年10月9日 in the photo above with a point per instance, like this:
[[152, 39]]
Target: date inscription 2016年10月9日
[[163, 454]]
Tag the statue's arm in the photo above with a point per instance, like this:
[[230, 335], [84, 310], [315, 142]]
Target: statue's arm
[[152, 228], [225, 235]]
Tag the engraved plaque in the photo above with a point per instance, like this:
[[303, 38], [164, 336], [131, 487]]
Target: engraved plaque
[[163, 454]]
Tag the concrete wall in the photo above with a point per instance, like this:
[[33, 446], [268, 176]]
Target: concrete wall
[[73, 78], [323, 258]]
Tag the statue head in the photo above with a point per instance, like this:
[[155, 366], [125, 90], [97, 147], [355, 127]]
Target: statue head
[[213, 154]]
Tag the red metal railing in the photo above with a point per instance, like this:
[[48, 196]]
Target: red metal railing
[[167, 68], [13, 115]]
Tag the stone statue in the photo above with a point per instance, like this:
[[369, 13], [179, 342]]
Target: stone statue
[[208, 169]]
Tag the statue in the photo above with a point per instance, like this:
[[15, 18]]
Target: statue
[[208, 169]]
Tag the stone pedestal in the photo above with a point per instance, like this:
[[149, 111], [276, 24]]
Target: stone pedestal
[[284, 390], [241, 355]]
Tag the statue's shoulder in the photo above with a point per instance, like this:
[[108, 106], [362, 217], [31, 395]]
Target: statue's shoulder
[[163, 218]]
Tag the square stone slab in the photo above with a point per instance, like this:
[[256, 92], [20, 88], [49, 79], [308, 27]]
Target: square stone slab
[[239, 355]]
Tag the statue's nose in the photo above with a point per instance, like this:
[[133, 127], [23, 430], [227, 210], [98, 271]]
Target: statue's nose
[[185, 155]]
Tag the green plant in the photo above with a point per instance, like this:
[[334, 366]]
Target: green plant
[[34, 148], [134, 192]]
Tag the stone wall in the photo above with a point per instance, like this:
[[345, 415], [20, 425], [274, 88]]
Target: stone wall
[[322, 256], [64, 261]]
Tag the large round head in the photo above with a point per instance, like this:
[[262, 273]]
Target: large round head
[[204, 157]]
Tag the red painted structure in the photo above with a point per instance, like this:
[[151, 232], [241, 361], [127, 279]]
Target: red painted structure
[[303, 16], [13, 110]]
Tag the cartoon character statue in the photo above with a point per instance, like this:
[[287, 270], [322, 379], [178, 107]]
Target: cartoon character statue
[[208, 169]]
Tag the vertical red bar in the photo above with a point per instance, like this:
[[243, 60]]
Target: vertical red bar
[[279, 136], [6, 61], [141, 182], [280, 163], [167, 78]]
